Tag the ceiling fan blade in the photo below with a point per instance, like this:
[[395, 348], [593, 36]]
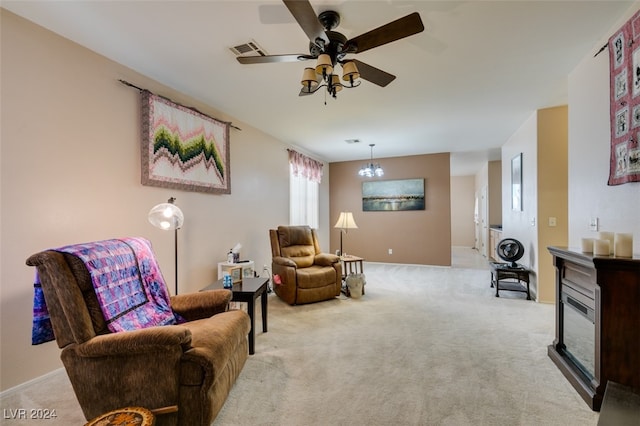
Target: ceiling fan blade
[[373, 74], [395, 30], [308, 21], [258, 59]]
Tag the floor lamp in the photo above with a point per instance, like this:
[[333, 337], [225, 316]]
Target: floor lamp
[[344, 223], [167, 216]]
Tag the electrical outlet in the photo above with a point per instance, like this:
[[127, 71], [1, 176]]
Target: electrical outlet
[[593, 224], [552, 221], [390, 251]]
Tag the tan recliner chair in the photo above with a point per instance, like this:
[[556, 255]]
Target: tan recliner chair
[[183, 371], [306, 274]]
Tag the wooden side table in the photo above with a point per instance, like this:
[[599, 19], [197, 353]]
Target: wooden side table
[[350, 265], [502, 271]]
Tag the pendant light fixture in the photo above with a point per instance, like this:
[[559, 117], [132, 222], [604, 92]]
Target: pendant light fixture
[[369, 170]]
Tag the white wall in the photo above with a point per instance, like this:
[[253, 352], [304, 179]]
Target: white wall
[[482, 225], [70, 173], [520, 224], [617, 207]]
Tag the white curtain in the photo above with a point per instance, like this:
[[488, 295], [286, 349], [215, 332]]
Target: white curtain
[[304, 182]]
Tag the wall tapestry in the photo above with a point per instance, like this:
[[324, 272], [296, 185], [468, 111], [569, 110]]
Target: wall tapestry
[[393, 195], [624, 98], [182, 148]]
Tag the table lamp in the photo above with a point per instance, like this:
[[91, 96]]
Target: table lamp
[[344, 223]]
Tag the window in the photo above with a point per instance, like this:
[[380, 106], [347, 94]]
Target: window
[[304, 182], [303, 201]]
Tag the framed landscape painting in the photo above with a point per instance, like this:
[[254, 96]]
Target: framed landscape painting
[[393, 195], [183, 148]]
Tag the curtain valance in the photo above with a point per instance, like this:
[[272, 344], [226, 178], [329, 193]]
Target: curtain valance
[[301, 165]]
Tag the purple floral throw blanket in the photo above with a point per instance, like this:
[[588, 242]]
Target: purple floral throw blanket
[[128, 284]]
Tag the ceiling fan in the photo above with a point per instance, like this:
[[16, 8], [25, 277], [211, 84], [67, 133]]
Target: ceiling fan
[[330, 48]]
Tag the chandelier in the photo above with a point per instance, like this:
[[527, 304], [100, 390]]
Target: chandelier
[[369, 170], [323, 75]]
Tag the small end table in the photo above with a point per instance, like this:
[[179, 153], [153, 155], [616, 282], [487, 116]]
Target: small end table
[[248, 291], [502, 271], [351, 265]]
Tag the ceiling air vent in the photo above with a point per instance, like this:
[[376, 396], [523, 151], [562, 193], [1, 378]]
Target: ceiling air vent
[[250, 48]]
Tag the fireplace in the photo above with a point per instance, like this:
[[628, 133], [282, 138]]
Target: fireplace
[[597, 321], [578, 330]]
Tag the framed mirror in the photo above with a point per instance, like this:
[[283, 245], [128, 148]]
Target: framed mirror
[[516, 182]]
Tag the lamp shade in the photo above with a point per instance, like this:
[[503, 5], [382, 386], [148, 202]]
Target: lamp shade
[[366, 170], [309, 79], [324, 65], [345, 221], [335, 83], [350, 72], [166, 216]]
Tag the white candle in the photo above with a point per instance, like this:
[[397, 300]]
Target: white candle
[[601, 247], [623, 245], [587, 245], [607, 236]]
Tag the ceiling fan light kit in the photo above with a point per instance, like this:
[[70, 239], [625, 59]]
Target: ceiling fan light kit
[[329, 49], [324, 70]]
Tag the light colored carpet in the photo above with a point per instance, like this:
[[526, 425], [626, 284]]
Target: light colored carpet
[[424, 346]]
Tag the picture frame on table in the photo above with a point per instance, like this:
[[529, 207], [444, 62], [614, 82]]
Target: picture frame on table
[[236, 274]]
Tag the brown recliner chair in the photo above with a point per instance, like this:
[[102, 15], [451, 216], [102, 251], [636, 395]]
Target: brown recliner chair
[[306, 274], [181, 372]]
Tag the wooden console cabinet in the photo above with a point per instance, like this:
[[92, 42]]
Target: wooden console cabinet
[[599, 295]]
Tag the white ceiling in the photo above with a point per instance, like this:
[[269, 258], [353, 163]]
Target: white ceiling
[[464, 85]]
